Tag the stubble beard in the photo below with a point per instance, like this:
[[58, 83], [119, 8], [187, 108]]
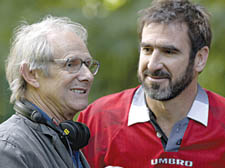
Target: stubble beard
[[173, 89]]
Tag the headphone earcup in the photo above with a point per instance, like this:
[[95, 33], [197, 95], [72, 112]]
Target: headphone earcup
[[77, 133], [37, 117]]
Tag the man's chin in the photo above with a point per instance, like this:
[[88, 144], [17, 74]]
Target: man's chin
[[157, 93]]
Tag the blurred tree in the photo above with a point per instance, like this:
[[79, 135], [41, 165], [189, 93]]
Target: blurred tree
[[113, 40]]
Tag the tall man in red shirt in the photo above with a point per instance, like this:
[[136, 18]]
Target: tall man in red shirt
[[168, 121]]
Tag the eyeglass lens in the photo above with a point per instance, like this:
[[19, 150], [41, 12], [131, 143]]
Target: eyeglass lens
[[74, 65]]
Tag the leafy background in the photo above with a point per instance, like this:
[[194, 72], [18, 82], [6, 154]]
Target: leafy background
[[113, 40]]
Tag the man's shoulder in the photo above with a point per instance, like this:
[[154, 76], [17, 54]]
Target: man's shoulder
[[19, 131], [216, 108], [115, 98], [10, 125], [113, 106], [11, 144], [12, 130], [215, 99]]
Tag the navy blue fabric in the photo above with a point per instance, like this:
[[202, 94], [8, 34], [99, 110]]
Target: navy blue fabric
[[76, 159]]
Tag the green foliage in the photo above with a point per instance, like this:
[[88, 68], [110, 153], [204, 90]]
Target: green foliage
[[113, 40]]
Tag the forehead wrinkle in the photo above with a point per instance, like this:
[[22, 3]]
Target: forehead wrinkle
[[67, 44], [76, 54], [155, 37]]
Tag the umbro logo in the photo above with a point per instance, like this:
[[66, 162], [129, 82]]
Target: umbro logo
[[172, 161]]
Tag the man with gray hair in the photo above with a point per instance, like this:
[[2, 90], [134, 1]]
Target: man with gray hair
[[170, 120], [50, 72]]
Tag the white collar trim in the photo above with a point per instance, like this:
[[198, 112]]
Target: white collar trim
[[139, 112]]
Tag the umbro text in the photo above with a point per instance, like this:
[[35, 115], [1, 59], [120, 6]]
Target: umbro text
[[172, 161]]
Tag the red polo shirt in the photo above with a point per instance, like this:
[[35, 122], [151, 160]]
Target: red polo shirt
[[136, 145]]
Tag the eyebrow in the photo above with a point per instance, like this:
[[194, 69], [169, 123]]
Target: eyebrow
[[76, 54], [167, 47]]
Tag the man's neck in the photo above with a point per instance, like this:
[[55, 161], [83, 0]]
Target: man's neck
[[169, 112], [46, 106]]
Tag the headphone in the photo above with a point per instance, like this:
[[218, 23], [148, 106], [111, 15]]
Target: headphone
[[74, 135]]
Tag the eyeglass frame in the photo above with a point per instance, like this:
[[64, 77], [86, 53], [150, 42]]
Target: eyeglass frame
[[65, 61]]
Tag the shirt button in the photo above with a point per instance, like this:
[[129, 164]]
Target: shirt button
[[179, 142], [158, 135], [178, 129]]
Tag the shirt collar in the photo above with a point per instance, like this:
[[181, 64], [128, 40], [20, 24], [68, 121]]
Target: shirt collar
[[139, 112]]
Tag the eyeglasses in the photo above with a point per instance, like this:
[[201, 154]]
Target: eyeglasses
[[73, 65]]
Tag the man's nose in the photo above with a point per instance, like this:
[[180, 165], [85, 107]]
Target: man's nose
[[85, 73], [155, 61]]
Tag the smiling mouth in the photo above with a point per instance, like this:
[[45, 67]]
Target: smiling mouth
[[155, 79], [157, 75], [79, 91]]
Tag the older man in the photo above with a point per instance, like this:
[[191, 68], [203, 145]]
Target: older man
[[50, 72], [170, 120]]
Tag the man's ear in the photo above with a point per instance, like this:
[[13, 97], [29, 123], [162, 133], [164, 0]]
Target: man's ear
[[201, 59], [29, 76]]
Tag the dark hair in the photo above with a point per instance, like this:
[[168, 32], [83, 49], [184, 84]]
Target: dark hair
[[181, 11]]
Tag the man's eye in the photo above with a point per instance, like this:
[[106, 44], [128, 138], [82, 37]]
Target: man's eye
[[73, 63], [88, 63], [169, 51], [69, 64], [147, 50]]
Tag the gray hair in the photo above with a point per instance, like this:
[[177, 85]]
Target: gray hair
[[30, 45]]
